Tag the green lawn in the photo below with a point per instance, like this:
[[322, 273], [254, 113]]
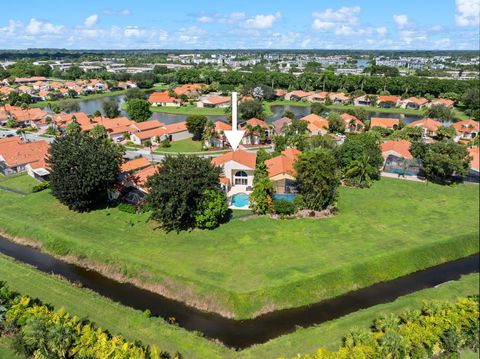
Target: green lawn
[[6, 351], [133, 325], [21, 182], [251, 266], [188, 110], [187, 145], [81, 98]]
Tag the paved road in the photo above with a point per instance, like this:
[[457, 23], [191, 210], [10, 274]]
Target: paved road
[[31, 137]]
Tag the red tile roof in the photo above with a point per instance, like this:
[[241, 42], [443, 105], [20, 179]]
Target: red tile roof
[[383, 122], [475, 161], [428, 123], [222, 126], [401, 148], [162, 97], [17, 153], [217, 100], [467, 126], [176, 127], [388, 98], [419, 101], [256, 122], [135, 164], [283, 164], [347, 118], [245, 158]]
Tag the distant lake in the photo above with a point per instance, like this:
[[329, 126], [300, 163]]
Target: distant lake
[[93, 105]]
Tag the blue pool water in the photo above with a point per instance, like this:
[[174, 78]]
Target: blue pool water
[[285, 196], [240, 200]]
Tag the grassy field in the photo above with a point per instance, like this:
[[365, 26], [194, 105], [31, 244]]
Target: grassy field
[[247, 267], [20, 182], [6, 351], [81, 98], [133, 324], [189, 110], [186, 145]]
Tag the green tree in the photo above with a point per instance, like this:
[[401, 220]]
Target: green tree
[[83, 169], [318, 108], [14, 98], [68, 106], [98, 131], [445, 133], [196, 125], [471, 98], [110, 108], [442, 160], [335, 123], [177, 189], [139, 110], [359, 145], [440, 112], [73, 127], [250, 109], [134, 93], [358, 172], [318, 178], [212, 209]]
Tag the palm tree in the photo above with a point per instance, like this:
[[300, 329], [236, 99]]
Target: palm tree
[[358, 172]]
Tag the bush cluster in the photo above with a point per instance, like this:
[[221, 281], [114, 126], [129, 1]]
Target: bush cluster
[[40, 187], [283, 207], [440, 328], [41, 332], [128, 208]]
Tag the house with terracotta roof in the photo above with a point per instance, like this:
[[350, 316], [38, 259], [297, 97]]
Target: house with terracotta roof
[[389, 123], [214, 102], [388, 101], [298, 95], [257, 132], [139, 179], [173, 132], [217, 138], [280, 124], [442, 101], [414, 103], [238, 168], [281, 171], [428, 125], [316, 124], [364, 100], [279, 93], [191, 90], [23, 117], [318, 97], [474, 162], [16, 155], [352, 123], [134, 165], [146, 125], [466, 129], [163, 99], [339, 98], [399, 149]]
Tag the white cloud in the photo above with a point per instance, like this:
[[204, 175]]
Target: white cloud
[[91, 20], [36, 27], [262, 21], [133, 31], [442, 43], [382, 30], [401, 20], [330, 19], [228, 18], [305, 43], [467, 13]]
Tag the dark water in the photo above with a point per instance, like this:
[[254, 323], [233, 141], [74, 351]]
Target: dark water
[[241, 334], [90, 106]]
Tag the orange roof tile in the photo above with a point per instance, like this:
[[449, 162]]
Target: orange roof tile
[[255, 122], [222, 126], [176, 127], [135, 164], [383, 122], [283, 164], [428, 123], [467, 126], [144, 135], [443, 101], [162, 97], [142, 176], [419, 101], [348, 118], [388, 98], [17, 153], [245, 158], [147, 125], [217, 100], [401, 147], [475, 161]]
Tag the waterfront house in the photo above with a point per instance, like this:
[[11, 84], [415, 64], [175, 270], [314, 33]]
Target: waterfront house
[[298, 95], [316, 124], [388, 101], [442, 101], [163, 99], [280, 125], [352, 123], [466, 130], [214, 102], [339, 98], [414, 103], [364, 100], [318, 97], [217, 137], [388, 123], [428, 125]]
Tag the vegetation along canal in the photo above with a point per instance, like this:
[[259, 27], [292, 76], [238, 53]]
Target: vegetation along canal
[[241, 334]]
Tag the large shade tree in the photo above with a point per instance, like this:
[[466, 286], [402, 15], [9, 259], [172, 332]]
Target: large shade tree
[[196, 126], [83, 169], [139, 110], [318, 178], [177, 190]]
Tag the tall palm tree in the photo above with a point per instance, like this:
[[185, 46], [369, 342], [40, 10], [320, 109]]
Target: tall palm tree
[[358, 172]]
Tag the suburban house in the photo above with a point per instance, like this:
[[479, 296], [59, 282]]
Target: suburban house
[[29, 80], [318, 97], [365, 100], [257, 132], [389, 123], [352, 123], [399, 149], [298, 95], [23, 117], [214, 102], [428, 125], [173, 132], [280, 93], [163, 99], [146, 125], [281, 171], [388, 101], [217, 138], [131, 166], [466, 130], [414, 103], [238, 168], [316, 124], [280, 124], [190, 90], [442, 101], [398, 159], [16, 155], [177, 131], [339, 98]]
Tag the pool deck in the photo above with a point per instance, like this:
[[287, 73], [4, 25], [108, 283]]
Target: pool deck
[[236, 190]]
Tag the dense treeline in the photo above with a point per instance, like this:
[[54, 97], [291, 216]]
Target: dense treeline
[[438, 329], [42, 332]]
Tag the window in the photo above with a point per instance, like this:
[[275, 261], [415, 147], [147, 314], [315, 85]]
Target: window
[[241, 178]]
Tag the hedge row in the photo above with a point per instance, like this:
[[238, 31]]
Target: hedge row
[[42, 332], [438, 329]]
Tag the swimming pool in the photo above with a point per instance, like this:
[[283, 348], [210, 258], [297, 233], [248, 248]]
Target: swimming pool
[[283, 196], [240, 200]]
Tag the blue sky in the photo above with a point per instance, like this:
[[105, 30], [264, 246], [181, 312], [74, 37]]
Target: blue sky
[[207, 24]]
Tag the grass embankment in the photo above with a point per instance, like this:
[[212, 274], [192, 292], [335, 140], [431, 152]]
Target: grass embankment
[[133, 324], [20, 182], [248, 267]]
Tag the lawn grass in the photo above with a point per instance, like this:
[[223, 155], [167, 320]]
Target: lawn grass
[[330, 334], [80, 98], [246, 267], [398, 110], [20, 182], [186, 145], [188, 110], [116, 318], [6, 351], [134, 325]]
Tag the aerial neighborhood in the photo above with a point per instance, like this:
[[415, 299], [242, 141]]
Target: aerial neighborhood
[[294, 180]]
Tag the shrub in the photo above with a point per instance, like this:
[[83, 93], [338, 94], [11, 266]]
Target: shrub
[[212, 209], [127, 207], [283, 207], [40, 187]]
